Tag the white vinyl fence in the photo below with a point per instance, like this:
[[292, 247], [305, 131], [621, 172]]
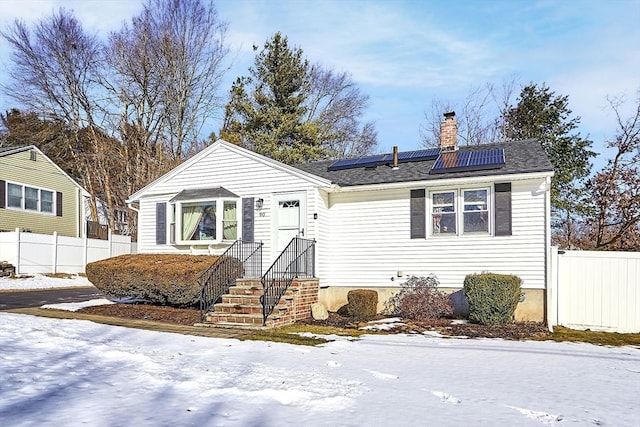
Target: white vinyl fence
[[50, 253], [595, 290]]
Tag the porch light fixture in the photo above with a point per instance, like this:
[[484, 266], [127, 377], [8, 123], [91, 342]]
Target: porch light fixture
[[259, 204]]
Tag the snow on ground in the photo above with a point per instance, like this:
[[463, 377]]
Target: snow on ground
[[75, 306], [74, 372], [39, 281]]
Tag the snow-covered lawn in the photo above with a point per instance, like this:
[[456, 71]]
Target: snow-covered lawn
[[39, 281], [73, 372]]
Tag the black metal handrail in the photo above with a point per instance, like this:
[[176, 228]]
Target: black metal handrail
[[296, 260], [242, 259]]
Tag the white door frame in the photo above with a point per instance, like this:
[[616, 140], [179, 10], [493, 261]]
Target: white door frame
[[275, 200]]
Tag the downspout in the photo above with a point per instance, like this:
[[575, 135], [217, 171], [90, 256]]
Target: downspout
[[80, 206]]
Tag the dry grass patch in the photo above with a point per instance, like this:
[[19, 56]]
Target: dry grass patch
[[292, 334], [276, 335], [561, 334]]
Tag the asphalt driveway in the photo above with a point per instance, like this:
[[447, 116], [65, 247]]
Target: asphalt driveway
[[23, 299]]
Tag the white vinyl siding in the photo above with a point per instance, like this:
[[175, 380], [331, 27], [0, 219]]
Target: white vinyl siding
[[320, 227], [370, 242], [239, 174]]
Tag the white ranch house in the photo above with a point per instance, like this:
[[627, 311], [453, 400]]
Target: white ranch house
[[375, 221]]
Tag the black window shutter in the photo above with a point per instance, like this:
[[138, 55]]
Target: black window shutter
[[58, 203], [247, 219], [418, 214], [3, 193], [161, 223], [502, 196]]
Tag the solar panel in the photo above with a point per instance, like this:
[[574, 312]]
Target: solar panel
[[469, 160], [385, 159], [418, 155], [372, 161], [368, 161], [342, 164]]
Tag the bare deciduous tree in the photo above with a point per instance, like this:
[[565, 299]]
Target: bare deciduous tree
[[135, 105], [479, 115], [192, 41], [54, 73], [336, 104], [614, 192]]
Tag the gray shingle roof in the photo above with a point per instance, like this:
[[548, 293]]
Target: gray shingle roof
[[203, 193], [14, 149], [520, 157]]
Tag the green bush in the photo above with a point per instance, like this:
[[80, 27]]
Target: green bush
[[362, 303], [160, 278], [492, 297]]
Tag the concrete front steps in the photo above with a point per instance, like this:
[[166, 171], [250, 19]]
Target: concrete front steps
[[241, 307]]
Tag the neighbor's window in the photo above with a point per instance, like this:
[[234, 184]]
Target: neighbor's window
[[29, 198], [14, 196], [443, 212], [46, 201], [476, 211]]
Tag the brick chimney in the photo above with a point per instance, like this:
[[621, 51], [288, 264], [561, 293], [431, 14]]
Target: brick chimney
[[449, 132]]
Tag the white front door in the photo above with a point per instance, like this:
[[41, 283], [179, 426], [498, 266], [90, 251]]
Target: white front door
[[289, 218]]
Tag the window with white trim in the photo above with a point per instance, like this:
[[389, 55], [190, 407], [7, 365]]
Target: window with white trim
[[29, 198], [459, 211], [475, 211], [443, 212], [207, 221]]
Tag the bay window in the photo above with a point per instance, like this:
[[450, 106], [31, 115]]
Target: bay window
[[208, 215]]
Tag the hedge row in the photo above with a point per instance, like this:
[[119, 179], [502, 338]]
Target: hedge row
[[160, 278]]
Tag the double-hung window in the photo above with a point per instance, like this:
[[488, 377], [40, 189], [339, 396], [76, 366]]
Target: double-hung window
[[459, 211], [230, 220], [443, 212], [475, 211], [14, 196]]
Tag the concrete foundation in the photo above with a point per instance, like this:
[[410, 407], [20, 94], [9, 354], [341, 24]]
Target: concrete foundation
[[531, 309]]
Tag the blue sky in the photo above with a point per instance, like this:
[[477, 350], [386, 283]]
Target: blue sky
[[404, 54]]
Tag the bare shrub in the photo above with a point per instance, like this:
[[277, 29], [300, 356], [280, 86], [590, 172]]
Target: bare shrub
[[419, 299], [362, 303]]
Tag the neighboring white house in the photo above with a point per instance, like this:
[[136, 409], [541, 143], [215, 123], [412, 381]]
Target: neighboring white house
[[450, 211]]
